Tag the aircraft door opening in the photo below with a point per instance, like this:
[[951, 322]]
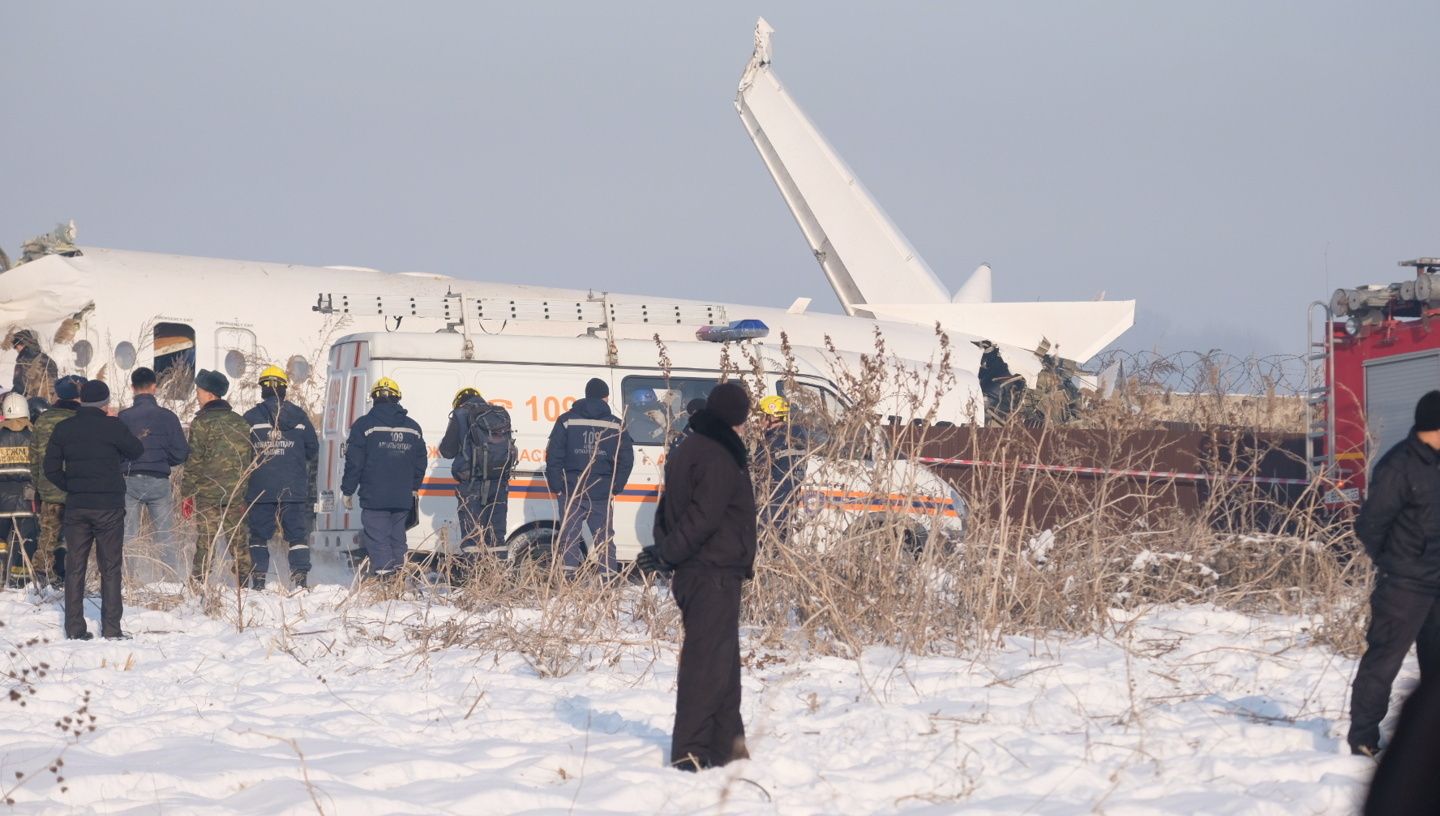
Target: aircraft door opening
[[175, 359]]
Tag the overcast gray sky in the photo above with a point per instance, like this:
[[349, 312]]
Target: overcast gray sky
[[1221, 163]]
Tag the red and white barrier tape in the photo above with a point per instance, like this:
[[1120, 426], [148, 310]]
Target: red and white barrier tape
[[1144, 474]]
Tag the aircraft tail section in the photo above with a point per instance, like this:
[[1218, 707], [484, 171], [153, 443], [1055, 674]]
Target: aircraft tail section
[[861, 251]]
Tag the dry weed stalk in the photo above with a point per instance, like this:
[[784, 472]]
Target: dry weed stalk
[[1046, 549]]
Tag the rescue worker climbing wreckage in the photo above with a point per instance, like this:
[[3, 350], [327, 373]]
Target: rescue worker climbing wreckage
[[214, 485], [479, 441], [48, 568], [385, 461], [279, 490], [35, 372], [19, 526], [587, 462]]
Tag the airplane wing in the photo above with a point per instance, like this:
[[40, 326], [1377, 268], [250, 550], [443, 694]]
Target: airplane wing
[[1080, 329], [860, 249]]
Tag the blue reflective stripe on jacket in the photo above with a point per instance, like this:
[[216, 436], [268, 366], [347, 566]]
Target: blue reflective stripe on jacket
[[385, 459], [285, 446]]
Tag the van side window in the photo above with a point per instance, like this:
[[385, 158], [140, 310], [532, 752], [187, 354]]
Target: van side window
[[654, 407], [823, 413]]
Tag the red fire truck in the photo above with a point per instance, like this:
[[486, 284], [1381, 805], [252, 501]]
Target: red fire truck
[[1373, 351]]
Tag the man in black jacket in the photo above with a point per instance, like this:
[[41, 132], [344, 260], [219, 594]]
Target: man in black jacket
[[84, 459], [705, 532], [1399, 524], [147, 479]]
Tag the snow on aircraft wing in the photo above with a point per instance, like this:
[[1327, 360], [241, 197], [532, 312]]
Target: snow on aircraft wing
[[857, 245]]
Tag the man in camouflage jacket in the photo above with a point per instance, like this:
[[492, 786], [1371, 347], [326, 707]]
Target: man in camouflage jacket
[[213, 487], [48, 568]]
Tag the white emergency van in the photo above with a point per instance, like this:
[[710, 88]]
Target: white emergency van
[[537, 378]]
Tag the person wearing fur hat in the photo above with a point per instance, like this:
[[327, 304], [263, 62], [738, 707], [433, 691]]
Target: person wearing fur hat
[[705, 533], [1399, 524], [216, 477], [48, 567], [85, 458]]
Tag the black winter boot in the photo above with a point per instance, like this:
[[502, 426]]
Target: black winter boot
[[300, 580], [257, 583]]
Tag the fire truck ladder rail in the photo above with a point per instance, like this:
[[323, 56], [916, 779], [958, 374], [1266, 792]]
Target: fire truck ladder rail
[[1319, 393]]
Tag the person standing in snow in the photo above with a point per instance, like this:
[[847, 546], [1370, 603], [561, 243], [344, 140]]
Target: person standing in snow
[[48, 568], [480, 444], [147, 479], [286, 450], [385, 460], [783, 448], [587, 462], [18, 524], [84, 458], [213, 486], [705, 533], [1399, 525]]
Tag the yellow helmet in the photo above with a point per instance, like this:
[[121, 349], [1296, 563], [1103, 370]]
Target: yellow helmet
[[463, 394], [385, 385], [775, 406], [274, 376]]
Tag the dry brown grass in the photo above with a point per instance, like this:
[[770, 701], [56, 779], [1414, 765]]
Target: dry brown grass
[[1044, 551]]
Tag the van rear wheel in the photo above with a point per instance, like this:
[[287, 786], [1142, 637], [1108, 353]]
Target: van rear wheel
[[533, 546]]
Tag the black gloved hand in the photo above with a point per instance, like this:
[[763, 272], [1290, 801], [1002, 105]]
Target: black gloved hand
[[650, 562]]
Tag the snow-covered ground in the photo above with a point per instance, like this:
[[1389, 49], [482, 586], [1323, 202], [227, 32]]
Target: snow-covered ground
[[322, 705]]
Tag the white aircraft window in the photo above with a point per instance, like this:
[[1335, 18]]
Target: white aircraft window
[[655, 406], [234, 363], [125, 355], [84, 353], [299, 369]]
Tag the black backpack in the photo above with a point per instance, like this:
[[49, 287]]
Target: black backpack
[[489, 445]]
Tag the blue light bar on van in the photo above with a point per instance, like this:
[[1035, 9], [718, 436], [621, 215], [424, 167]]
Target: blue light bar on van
[[737, 330]]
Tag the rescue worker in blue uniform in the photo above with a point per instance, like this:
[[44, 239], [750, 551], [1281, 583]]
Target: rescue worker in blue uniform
[[385, 460], [286, 451], [588, 462], [783, 448], [480, 444]]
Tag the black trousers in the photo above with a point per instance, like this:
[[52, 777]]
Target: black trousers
[[1404, 784], [104, 530], [708, 731], [1399, 617]]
